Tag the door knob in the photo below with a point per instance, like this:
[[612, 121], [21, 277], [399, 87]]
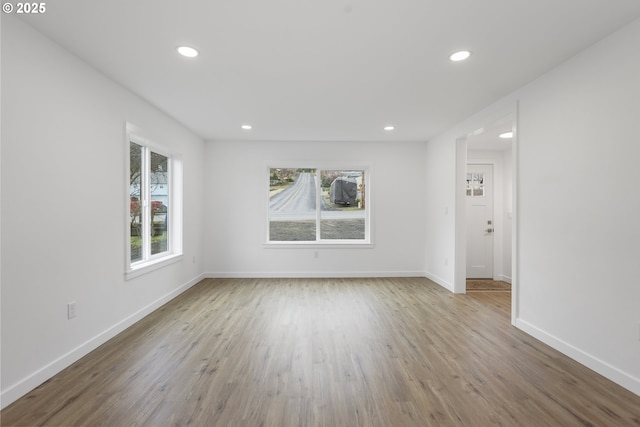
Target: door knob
[[489, 230]]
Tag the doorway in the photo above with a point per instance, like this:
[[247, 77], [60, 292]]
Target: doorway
[[485, 228]]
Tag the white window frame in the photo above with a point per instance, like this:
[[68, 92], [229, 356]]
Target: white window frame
[[367, 242], [173, 253]]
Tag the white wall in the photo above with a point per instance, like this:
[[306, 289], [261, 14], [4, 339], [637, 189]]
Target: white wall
[[440, 211], [507, 220], [237, 185], [578, 230], [577, 224], [63, 129]]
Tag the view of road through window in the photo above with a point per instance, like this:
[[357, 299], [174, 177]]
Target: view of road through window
[[295, 215]]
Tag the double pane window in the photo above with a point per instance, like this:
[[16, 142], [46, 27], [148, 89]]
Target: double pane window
[[149, 203], [318, 205]]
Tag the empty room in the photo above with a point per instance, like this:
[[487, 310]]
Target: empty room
[[320, 213]]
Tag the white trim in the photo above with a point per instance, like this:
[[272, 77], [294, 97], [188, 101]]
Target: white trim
[[507, 107], [515, 250], [309, 274], [608, 371], [149, 262], [494, 160], [24, 386], [460, 228], [504, 278], [367, 242], [322, 244], [127, 190], [143, 268], [440, 281]]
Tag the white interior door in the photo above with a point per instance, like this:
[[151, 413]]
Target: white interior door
[[480, 224]]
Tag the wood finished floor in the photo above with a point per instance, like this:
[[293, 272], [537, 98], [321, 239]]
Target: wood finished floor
[[474, 285], [326, 352]]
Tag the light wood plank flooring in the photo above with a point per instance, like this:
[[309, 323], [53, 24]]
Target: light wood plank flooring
[[487, 285], [326, 352]]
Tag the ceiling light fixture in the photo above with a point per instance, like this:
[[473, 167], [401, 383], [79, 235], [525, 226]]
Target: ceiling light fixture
[[460, 55], [187, 51], [388, 128], [247, 127], [506, 135]]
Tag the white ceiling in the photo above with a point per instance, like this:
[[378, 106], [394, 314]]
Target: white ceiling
[[327, 69]]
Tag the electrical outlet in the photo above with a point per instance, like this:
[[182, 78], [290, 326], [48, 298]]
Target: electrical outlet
[[71, 310]]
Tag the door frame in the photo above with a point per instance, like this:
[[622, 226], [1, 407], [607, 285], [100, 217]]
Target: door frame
[[460, 244]]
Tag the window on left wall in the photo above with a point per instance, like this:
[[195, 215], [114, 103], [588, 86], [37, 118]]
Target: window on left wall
[[153, 232]]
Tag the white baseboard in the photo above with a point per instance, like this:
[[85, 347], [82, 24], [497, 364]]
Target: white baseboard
[[503, 278], [606, 370], [440, 281], [309, 274], [22, 387]]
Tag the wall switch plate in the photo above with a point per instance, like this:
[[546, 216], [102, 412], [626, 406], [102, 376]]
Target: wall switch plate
[[71, 310]]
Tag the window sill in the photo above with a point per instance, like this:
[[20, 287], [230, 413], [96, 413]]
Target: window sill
[[341, 244], [152, 265]]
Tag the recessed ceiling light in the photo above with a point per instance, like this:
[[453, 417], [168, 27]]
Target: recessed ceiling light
[[460, 55], [506, 135], [247, 127], [388, 128], [187, 51]]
